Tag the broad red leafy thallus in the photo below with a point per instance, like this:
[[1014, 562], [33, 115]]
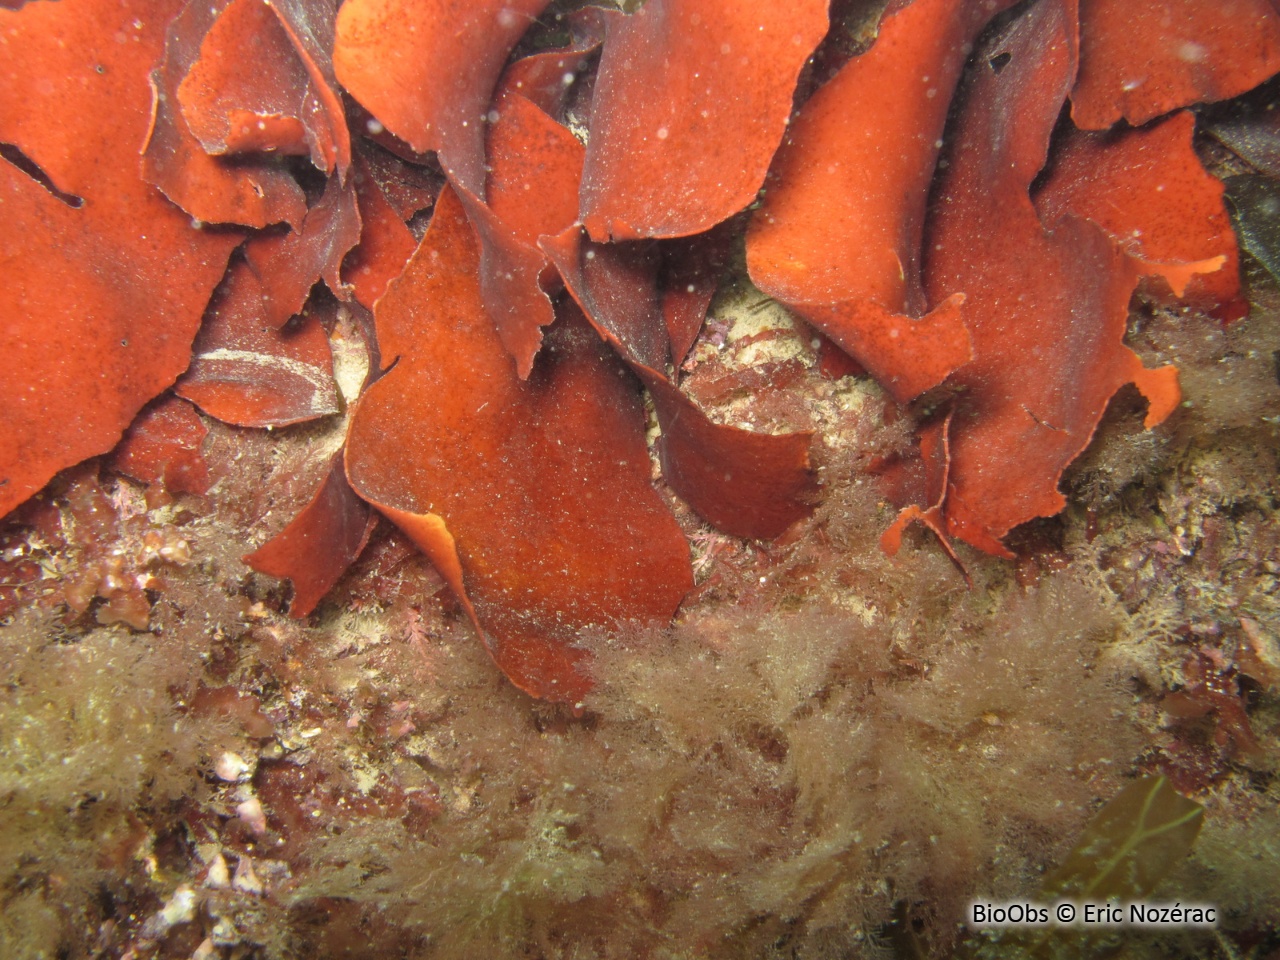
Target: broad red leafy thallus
[[162, 160]]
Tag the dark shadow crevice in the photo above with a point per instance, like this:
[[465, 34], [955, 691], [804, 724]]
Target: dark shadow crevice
[[28, 166]]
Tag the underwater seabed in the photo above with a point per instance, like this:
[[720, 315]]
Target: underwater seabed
[[830, 752], [828, 755]]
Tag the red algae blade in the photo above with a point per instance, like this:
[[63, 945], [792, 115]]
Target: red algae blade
[[746, 483], [1143, 58], [541, 484], [208, 188], [838, 235], [691, 101], [287, 265], [105, 280], [319, 544], [1148, 190], [427, 70], [163, 445], [264, 82], [842, 217], [534, 169], [246, 372], [386, 243], [1046, 308]]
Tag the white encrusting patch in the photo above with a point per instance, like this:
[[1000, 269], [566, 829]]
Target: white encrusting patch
[[321, 381]]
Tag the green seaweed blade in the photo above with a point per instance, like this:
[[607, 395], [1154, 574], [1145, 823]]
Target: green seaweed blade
[[1129, 846]]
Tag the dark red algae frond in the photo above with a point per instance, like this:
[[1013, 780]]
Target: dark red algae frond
[[539, 487]]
